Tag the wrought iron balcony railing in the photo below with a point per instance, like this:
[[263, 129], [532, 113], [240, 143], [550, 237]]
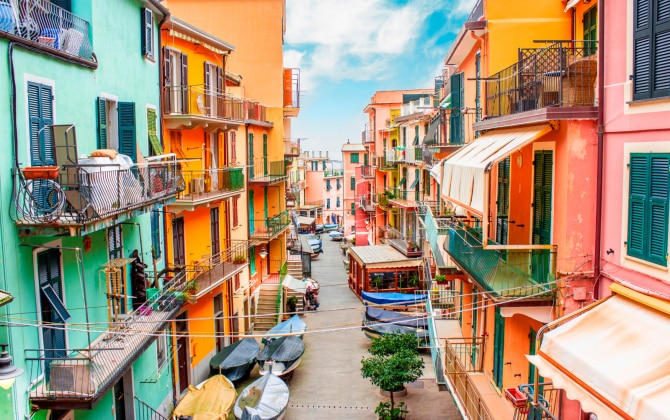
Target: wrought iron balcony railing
[[212, 271], [85, 193], [196, 100], [383, 163], [255, 111], [504, 273], [407, 243], [77, 378], [202, 185], [49, 26], [264, 171], [268, 228], [368, 171], [548, 403], [562, 74], [291, 88]]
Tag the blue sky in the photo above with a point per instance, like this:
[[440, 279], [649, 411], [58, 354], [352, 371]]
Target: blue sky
[[349, 49]]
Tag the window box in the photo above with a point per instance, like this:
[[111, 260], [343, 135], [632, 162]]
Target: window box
[[40, 172], [517, 398]]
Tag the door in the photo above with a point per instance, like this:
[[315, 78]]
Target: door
[[181, 331], [215, 228], [220, 339], [215, 174], [178, 244], [498, 348], [117, 280], [119, 401], [474, 357], [49, 274], [265, 154]]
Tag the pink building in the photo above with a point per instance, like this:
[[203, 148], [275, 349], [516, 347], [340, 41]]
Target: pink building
[[354, 156], [333, 195]]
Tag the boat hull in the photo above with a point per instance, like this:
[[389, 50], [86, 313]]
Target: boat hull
[[264, 399], [278, 368], [393, 298]]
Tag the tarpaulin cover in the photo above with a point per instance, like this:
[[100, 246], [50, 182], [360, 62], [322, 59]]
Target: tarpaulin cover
[[294, 284], [282, 349], [234, 360], [397, 318], [292, 325], [211, 400], [264, 399], [393, 298]]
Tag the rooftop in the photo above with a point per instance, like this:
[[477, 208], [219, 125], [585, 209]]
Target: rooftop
[[355, 147], [382, 256]]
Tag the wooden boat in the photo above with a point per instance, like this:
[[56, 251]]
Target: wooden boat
[[373, 329], [293, 325], [407, 319], [212, 399], [394, 298], [281, 356], [264, 399], [236, 361]]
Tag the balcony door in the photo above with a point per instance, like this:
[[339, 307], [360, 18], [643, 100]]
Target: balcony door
[[212, 160], [252, 227], [214, 91], [181, 329], [498, 348], [175, 80], [50, 279], [215, 235], [178, 242]]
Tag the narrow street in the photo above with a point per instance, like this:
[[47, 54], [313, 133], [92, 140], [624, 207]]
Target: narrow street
[[328, 384]]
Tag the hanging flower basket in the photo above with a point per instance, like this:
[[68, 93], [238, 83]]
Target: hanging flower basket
[[40, 172]]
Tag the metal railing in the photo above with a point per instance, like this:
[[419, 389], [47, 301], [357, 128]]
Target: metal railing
[[548, 406], [266, 229], [84, 193], [368, 202], [211, 183], [367, 171], [291, 148], [561, 74], [47, 25], [77, 377], [263, 170], [197, 100], [213, 270], [434, 228], [291, 88], [505, 273], [144, 411], [408, 244], [255, 111], [464, 356], [477, 11], [334, 172]]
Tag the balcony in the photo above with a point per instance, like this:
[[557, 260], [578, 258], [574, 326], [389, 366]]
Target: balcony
[[414, 155], [212, 271], [291, 92], [268, 229], [548, 403], [83, 198], [436, 228], [47, 26], [383, 164], [395, 154], [256, 114], [367, 171], [550, 83], [80, 378], [405, 243], [291, 149], [505, 274], [204, 186], [291, 198], [194, 106], [333, 173], [368, 202], [265, 172]]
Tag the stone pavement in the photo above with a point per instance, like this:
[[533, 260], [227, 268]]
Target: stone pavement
[[328, 383]]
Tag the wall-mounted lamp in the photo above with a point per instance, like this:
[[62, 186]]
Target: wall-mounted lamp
[[263, 253], [8, 372], [519, 160]]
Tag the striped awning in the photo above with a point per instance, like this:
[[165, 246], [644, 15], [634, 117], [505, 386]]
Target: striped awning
[[189, 38]]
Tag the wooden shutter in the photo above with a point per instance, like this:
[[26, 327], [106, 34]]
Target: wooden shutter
[[661, 50], [208, 87], [215, 228], [233, 148], [503, 201], [49, 274], [127, 138], [327, 203], [498, 347], [101, 109], [252, 226], [265, 154], [455, 117], [651, 49], [236, 218], [353, 183], [184, 83], [353, 208], [637, 202], [658, 208], [152, 130], [542, 197], [167, 82], [147, 21], [155, 234], [40, 115]]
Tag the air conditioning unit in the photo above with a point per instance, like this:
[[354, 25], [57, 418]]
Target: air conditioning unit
[[197, 185], [72, 376]]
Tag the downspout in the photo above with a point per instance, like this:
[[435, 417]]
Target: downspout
[[166, 16], [601, 149]]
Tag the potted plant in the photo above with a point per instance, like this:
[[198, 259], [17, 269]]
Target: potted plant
[[190, 290], [377, 282], [239, 259], [394, 361], [440, 278], [291, 304], [414, 280]]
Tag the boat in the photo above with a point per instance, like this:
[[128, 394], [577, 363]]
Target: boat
[[236, 361], [378, 329], [406, 319], [281, 356], [266, 398], [293, 325], [211, 399], [394, 298], [330, 226], [336, 235]]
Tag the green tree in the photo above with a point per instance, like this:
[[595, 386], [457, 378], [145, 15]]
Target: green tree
[[394, 361]]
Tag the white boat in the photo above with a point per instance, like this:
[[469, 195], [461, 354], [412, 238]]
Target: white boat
[[264, 399]]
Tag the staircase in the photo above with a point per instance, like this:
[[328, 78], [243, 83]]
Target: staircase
[[266, 312], [294, 269]]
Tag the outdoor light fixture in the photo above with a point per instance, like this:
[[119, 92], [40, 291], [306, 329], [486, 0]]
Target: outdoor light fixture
[[263, 253], [8, 372]]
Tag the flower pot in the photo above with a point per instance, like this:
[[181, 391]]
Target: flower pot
[[517, 398], [40, 172]]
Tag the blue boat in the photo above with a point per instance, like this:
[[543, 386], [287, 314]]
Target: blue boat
[[405, 319], [394, 298], [291, 326]]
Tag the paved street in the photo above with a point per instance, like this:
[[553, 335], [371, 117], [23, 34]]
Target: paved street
[[328, 384]]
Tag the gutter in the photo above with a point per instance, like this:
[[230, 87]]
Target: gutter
[[601, 149]]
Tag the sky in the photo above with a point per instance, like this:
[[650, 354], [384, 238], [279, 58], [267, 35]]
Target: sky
[[347, 50]]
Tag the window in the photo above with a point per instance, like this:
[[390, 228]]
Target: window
[[213, 90], [327, 203], [114, 242], [651, 67], [49, 278], [236, 216], [590, 22], [354, 158], [252, 260], [40, 111], [117, 133], [338, 202], [353, 183], [416, 134], [161, 353], [175, 78], [156, 234], [323, 165], [648, 207], [233, 148], [219, 327], [339, 184], [353, 208], [215, 229], [154, 147], [147, 33], [328, 187]]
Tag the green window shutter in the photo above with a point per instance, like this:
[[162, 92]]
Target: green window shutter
[[353, 183], [252, 227], [542, 197], [147, 31], [327, 203], [337, 201], [354, 158], [353, 208], [265, 202], [40, 115], [590, 22], [155, 234], [152, 130], [503, 201], [101, 108], [498, 347], [649, 184], [252, 260], [455, 117], [250, 155], [127, 137], [365, 159], [265, 154]]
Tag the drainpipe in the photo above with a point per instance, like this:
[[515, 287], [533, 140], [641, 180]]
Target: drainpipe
[[601, 148]]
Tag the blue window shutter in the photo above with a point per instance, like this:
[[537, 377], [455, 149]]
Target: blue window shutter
[[147, 30], [639, 173], [102, 122], [40, 114], [127, 138]]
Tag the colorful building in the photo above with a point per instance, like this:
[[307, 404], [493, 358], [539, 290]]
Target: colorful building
[[353, 157]]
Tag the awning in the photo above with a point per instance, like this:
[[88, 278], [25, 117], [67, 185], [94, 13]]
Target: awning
[[436, 171], [303, 220], [294, 284], [614, 358], [5, 297], [571, 4], [463, 172], [431, 135], [446, 102]]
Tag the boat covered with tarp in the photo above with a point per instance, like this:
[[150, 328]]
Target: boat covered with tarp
[[294, 325], [264, 399], [210, 400], [394, 298], [281, 356], [378, 329], [407, 319], [236, 360]]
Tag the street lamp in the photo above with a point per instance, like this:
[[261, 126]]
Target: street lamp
[[263, 253], [8, 372]]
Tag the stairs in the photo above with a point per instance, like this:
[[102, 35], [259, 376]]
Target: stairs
[[294, 269], [266, 312]]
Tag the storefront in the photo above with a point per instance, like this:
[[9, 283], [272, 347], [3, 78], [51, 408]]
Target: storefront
[[381, 268]]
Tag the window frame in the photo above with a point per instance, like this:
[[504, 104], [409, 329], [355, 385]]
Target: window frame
[[647, 33], [354, 158], [353, 183], [148, 41]]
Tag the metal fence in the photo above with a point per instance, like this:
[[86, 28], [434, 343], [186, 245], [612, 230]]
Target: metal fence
[[263, 169], [198, 100], [211, 182]]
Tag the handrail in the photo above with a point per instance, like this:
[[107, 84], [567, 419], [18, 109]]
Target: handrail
[[198, 100], [146, 412]]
